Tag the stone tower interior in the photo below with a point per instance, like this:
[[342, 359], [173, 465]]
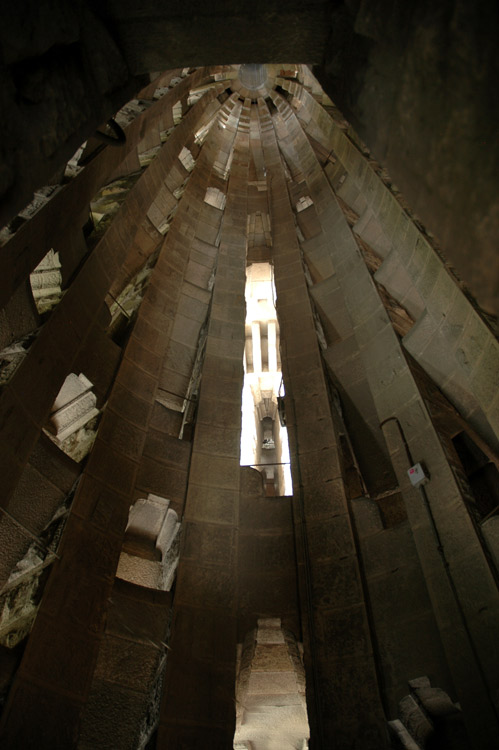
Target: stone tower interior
[[303, 253]]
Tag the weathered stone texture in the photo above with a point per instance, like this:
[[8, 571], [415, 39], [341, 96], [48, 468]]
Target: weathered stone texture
[[383, 582]]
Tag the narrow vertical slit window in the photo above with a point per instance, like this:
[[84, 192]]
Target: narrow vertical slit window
[[264, 438]]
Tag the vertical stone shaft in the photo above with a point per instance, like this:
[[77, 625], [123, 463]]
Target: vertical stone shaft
[[198, 703], [343, 699]]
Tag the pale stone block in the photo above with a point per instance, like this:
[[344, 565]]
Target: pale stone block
[[370, 230], [272, 682], [399, 235], [73, 387], [50, 262], [269, 630], [156, 215], [485, 379], [151, 546], [74, 406], [410, 237], [415, 719], [362, 301], [367, 516]]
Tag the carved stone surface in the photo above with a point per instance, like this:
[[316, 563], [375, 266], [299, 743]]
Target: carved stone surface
[[74, 406], [271, 690], [19, 600], [151, 547], [429, 718], [137, 452]]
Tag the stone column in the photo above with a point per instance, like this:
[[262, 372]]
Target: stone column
[[458, 577], [198, 703], [343, 699]]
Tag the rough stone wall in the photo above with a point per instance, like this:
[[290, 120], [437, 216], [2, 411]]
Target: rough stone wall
[[417, 83], [45, 482], [341, 676], [123, 704], [198, 699], [396, 397], [450, 339], [71, 620], [267, 562]]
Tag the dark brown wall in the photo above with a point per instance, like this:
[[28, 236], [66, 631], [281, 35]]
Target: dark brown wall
[[417, 81], [267, 562]]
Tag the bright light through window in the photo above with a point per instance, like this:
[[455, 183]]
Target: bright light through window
[[264, 441]]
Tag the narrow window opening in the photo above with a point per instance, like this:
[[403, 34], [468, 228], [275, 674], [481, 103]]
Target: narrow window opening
[[147, 157], [264, 438], [13, 355]]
